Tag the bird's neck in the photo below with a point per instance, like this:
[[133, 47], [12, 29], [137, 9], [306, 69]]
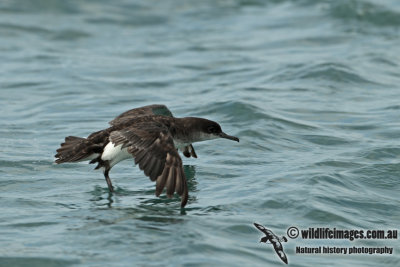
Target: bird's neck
[[187, 130]]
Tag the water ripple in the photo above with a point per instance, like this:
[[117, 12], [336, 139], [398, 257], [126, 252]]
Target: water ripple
[[365, 12], [37, 261], [324, 71]]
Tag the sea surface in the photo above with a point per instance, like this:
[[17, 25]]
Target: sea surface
[[310, 87]]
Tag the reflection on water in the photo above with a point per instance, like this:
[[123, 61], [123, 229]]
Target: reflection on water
[[102, 197]]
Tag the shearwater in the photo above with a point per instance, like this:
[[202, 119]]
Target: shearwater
[[152, 136]]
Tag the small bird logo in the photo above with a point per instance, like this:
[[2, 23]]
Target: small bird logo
[[274, 240]]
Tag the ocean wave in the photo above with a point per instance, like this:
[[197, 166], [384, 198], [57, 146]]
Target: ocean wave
[[328, 71], [365, 12]]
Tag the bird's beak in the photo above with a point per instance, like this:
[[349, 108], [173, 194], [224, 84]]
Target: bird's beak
[[230, 137]]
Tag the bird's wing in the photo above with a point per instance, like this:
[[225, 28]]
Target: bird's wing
[[142, 111], [279, 250], [153, 149], [261, 228]]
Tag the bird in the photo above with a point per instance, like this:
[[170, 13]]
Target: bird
[[150, 135], [274, 240]]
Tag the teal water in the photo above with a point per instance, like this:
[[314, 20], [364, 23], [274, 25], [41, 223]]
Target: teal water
[[311, 88]]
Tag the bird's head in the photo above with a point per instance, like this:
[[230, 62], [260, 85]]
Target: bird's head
[[264, 239], [208, 130]]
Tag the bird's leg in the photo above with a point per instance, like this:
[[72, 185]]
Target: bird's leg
[[108, 180], [192, 153], [186, 152], [283, 239]]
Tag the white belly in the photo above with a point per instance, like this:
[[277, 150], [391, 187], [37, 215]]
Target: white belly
[[115, 154]]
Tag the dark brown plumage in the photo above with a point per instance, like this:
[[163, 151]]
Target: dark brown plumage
[[151, 135]]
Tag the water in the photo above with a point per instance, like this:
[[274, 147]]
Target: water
[[310, 87]]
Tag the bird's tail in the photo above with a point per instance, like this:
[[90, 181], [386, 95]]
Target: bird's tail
[[77, 149]]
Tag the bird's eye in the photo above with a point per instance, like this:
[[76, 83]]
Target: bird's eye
[[211, 130]]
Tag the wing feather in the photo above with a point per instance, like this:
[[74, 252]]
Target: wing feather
[[142, 111], [161, 180], [171, 181], [261, 228], [279, 251], [178, 184], [153, 149]]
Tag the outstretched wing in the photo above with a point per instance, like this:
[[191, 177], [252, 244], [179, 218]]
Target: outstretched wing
[[279, 250], [261, 228], [155, 109], [142, 111], [153, 149]]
